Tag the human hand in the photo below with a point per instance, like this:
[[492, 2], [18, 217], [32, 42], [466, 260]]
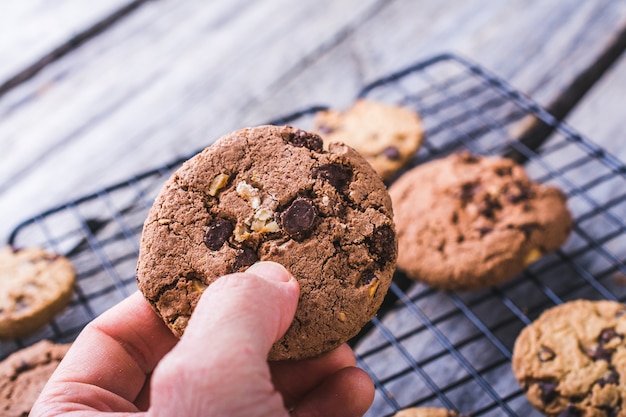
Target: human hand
[[127, 361]]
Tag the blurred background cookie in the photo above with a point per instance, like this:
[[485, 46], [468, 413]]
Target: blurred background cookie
[[35, 285], [274, 194], [469, 221], [24, 374], [386, 135]]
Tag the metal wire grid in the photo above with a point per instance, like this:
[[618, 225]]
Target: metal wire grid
[[426, 347]]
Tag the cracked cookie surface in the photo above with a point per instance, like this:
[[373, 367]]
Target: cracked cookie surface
[[24, 373], [36, 285], [468, 221], [386, 135], [273, 193], [571, 361]]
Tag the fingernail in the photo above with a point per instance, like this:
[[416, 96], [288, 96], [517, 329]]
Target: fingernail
[[270, 271]]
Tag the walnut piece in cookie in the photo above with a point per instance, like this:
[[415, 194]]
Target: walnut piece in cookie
[[35, 285], [274, 193], [468, 222], [571, 361], [386, 135]]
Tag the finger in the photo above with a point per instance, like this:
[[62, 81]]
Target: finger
[[296, 378], [224, 349], [116, 351], [348, 393]]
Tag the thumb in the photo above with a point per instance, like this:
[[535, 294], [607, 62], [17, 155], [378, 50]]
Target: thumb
[[219, 367], [251, 309]]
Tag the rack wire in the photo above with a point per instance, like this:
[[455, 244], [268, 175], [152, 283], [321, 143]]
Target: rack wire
[[426, 347]]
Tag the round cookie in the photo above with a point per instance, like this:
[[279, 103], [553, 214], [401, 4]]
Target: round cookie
[[35, 285], [469, 222], [24, 374], [386, 135], [273, 194], [571, 361], [426, 412]]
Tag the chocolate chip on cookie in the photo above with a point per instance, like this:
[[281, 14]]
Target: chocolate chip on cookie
[[274, 194], [468, 221]]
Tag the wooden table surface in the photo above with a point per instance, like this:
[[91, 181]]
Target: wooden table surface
[[94, 92]]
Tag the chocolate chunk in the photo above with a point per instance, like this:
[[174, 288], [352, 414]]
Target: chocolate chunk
[[528, 229], [611, 378], [570, 411], [337, 175], [607, 335], [517, 192], [245, 257], [548, 391], [218, 231], [488, 206], [503, 171], [299, 217], [469, 190], [382, 244], [392, 153], [484, 230], [546, 354], [307, 140], [366, 278], [600, 353]]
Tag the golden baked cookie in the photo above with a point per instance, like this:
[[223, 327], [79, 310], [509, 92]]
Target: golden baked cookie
[[35, 285], [571, 361], [386, 135]]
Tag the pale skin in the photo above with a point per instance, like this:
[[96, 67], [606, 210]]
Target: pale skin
[[127, 362]]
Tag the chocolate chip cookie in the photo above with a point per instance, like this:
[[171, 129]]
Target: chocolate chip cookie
[[468, 221], [386, 135], [24, 374], [426, 412], [35, 285], [273, 193], [571, 361]]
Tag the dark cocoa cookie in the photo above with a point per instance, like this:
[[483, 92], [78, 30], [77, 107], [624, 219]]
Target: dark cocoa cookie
[[426, 412], [468, 221], [24, 374], [571, 361], [36, 285], [273, 194], [386, 135]]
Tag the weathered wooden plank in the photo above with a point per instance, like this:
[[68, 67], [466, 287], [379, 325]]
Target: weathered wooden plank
[[160, 84], [600, 116], [31, 29], [174, 76]]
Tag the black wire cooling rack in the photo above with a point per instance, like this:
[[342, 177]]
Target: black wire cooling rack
[[426, 347]]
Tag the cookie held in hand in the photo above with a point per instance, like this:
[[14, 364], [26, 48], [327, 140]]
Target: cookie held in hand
[[274, 194], [468, 222]]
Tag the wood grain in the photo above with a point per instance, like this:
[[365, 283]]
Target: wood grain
[[32, 30]]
